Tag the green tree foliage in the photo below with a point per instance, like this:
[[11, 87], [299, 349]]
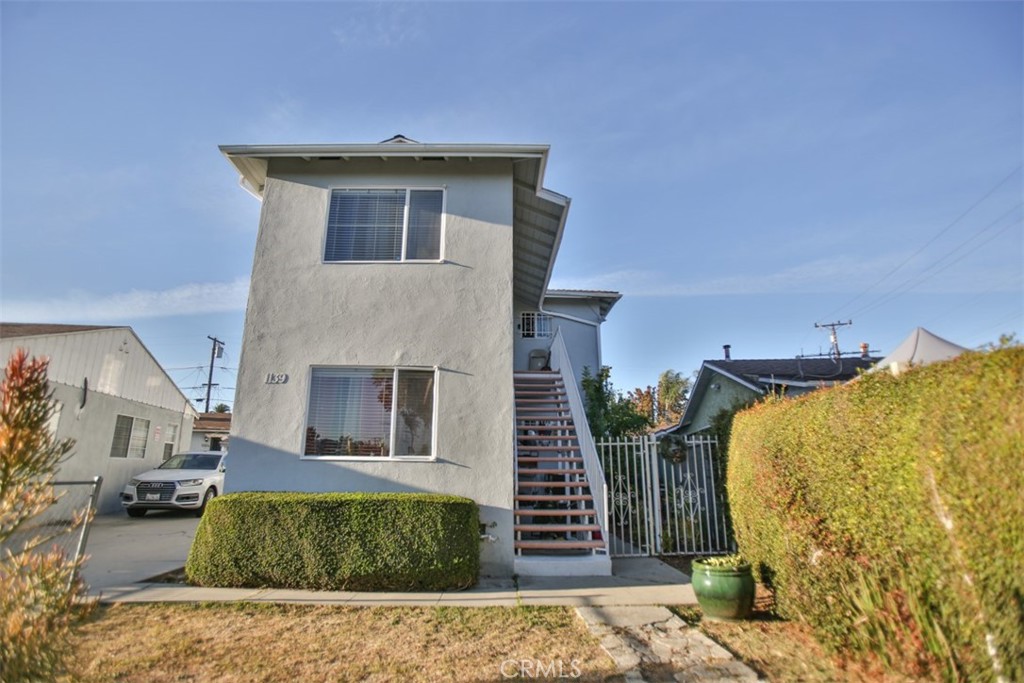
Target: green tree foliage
[[611, 416], [222, 408], [37, 591], [664, 404], [672, 390], [887, 514]]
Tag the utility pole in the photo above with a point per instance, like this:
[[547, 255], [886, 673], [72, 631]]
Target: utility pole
[[215, 352], [833, 337]]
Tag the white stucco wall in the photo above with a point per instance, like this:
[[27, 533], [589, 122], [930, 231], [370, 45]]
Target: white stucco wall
[[454, 315]]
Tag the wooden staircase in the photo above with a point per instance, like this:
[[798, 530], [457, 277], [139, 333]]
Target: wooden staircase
[[554, 509]]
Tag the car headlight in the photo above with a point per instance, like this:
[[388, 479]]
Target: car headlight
[[135, 482], [190, 482]]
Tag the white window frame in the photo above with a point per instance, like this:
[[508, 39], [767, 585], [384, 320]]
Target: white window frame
[[541, 325], [394, 416], [131, 435], [405, 222]]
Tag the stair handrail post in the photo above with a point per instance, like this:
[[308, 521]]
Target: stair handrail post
[[559, 360]]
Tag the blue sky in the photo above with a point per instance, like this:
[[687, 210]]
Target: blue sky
[[739, 171]]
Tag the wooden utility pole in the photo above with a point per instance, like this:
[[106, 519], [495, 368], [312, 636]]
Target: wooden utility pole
[[833, 337], [215, 352]]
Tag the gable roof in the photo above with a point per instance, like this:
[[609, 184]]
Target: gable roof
[[760, 375], [793, 370], [605, 299], [13, 330], [538, 214], [25, 330]]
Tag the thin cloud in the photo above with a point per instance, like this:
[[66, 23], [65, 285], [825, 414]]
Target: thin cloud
[[823, 275], [383, 26], [83, 307]]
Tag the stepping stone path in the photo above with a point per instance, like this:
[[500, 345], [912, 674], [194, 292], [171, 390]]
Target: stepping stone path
[[652, 644]]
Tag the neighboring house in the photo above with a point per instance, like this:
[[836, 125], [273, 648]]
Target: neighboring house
[[727, 383], [123, 411], [210, 432], [397, 292]]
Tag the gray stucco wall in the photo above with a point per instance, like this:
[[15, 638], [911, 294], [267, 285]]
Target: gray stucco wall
[[454, 315], [581, 340]]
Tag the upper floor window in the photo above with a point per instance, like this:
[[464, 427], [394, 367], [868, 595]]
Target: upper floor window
[[384, 225], [535, 325]]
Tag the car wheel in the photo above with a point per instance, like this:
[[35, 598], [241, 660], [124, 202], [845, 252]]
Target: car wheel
[[136, 512], [211, 493]]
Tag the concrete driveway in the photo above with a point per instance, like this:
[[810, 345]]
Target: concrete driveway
[[123, 550]]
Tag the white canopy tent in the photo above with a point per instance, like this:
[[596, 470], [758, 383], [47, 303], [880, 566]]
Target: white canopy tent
[[920, 348]]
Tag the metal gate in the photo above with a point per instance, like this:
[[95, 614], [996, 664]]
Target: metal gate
[[664, 504]]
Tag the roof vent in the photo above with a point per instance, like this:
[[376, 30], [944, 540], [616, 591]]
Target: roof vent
[[726, 347], [399, 139]]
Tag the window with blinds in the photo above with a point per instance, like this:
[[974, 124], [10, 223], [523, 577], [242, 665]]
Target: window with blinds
[[384, 225], [370, 412], [130, 436]]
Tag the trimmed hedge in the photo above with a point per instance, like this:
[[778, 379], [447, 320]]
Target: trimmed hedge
[[889, 514], [337, 541]]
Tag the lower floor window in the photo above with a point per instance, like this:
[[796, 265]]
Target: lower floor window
[[370, 412], [130, 436]]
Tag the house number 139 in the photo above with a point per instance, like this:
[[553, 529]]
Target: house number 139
[[277, 378]]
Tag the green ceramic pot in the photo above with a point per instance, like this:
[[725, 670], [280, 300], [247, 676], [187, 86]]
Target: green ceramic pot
[[724, 592]]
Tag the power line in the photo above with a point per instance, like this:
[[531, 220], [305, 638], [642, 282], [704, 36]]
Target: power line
[[930, 241], [938, 266]]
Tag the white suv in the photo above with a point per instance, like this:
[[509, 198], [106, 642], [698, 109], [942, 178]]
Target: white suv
[[186, 481]]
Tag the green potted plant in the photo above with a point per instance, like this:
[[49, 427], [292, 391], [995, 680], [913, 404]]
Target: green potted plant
[[724, 586]]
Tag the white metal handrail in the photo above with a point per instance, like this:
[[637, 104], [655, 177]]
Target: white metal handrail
[[595, 473]]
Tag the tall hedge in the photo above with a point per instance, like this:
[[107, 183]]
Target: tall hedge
[[889, 514], [337, 541]]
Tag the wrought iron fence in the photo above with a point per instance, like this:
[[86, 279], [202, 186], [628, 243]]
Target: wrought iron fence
[[664, 504]]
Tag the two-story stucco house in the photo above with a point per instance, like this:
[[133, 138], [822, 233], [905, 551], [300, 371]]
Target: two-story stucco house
[[400, 336]]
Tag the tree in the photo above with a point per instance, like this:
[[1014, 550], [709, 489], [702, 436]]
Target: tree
[[38, 587], [672, 390], [222, 408], [610, 415], [663, 405]]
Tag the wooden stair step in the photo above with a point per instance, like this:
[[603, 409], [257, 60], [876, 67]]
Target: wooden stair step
[[546, 437], [530, 459], [541, 528], [552, 471], [551, 448], [553, 484], [558, 545], [527, 512], [549, 428], [553, 498]]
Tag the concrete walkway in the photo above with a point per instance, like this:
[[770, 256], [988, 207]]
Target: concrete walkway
[[625, 611]]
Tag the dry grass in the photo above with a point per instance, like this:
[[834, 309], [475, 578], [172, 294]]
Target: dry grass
[[783, 650], [246, 642]]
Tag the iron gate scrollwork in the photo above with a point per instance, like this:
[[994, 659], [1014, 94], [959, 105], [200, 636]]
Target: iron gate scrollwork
[[664, 505]]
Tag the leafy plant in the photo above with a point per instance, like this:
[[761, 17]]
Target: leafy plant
[[38, 586], [734, 561], [610, 415]]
